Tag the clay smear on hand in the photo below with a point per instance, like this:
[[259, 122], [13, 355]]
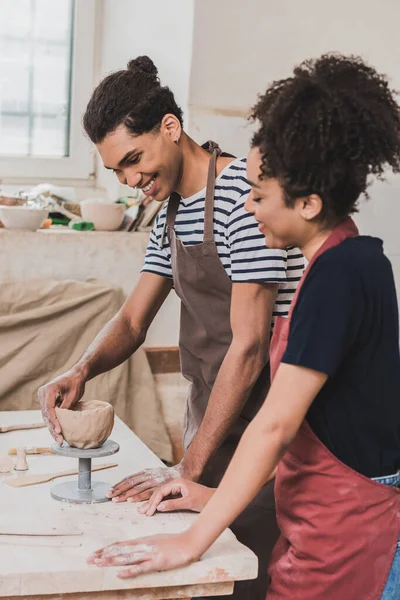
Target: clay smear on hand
[[88, 424]]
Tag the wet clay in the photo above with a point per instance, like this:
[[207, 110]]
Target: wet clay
[[88, 424]]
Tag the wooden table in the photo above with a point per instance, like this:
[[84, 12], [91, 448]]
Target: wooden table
[[44, 567]]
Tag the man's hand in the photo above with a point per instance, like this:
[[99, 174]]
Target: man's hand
[[64, 391], [192, 496], [140, 486], [154, 553]]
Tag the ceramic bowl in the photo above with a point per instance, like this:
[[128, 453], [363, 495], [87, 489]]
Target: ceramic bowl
[[105, 217], [22, 217]]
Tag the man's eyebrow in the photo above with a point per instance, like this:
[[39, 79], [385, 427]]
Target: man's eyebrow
[[123, 160], [126, 158]]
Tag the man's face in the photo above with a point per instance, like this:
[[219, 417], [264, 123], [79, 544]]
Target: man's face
[[151, 161]]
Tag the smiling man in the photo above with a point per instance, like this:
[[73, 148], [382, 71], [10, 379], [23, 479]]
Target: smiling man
[[209, 249]]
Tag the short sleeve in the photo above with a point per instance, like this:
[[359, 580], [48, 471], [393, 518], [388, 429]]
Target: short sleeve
[[158, 252], [327, 317], [251, 260]]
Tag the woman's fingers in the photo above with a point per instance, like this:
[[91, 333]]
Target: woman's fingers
[[122, 553], [144, 567]]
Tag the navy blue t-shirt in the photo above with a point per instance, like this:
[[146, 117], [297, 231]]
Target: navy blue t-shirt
[[345, 324]]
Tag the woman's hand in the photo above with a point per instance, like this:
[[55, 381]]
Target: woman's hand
[[153, 553], [192, 496]]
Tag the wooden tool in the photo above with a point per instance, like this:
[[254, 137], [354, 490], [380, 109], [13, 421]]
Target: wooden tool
[[34, 479], [32, 450], [5, 428], [21, 463], [20, 525]]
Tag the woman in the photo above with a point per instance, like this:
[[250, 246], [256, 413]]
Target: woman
[[332, 416]]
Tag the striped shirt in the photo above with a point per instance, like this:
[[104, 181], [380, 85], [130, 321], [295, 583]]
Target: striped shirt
[[240, 245]]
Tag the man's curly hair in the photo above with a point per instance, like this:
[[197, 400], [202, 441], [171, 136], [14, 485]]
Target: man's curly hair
[[132, 97], [326, 129]]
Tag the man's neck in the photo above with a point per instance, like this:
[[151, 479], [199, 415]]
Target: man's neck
[[195, 167]]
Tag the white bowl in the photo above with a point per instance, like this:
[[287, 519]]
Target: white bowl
[[22, 217], [105, 217]]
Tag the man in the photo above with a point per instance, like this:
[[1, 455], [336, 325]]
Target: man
[[208, 248]]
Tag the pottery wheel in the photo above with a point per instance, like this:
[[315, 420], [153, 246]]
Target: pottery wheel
[[84, 490]]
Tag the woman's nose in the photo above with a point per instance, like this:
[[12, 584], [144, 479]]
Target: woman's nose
[[249, 204]]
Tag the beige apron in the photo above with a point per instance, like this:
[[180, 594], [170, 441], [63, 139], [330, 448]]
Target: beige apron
[[205, 289]]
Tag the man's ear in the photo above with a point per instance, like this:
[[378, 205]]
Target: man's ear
[[170, 126]]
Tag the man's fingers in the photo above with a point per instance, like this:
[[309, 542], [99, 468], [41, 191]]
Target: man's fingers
[[125, 485], [134, 493], [68, 399], [140, 497], [50, 418], [127, 482]]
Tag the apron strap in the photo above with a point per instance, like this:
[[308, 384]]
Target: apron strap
[[174, 199], [209, 203], [172, 211]]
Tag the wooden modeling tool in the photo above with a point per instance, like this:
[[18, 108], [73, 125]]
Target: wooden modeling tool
[[20, 463], [18, 482], [31, 450], [5, 428]]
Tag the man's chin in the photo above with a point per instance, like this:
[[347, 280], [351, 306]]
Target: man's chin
[[161, 196]]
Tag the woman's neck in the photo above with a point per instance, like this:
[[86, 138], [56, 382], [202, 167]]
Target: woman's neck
[[314, 242], [195, 167]]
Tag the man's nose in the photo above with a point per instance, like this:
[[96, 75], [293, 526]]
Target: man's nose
[[133, 179]]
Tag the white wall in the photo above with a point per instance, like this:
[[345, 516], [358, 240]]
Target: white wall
[[239, 48], [164, 31]]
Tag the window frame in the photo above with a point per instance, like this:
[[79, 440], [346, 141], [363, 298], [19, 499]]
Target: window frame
[[80, 164]]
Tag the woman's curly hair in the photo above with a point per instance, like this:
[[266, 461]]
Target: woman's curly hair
[[326, 129], [132, 97]]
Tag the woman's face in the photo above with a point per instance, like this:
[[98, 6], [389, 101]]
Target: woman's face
[[281, 225], [151, 161]]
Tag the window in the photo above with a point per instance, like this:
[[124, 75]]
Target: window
[[46, 76]]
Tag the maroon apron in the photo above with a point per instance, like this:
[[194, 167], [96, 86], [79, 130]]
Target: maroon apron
[[205, 290], [339, 529]]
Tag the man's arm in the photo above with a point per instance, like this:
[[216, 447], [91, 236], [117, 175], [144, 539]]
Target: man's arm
[[251, 314], [127, 331], [115, 343]]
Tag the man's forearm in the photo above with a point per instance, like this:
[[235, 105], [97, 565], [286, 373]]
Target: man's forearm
[[115, 343], [236, 377]]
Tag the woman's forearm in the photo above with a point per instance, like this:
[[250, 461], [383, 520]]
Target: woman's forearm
[[253, 464], [260, 449]]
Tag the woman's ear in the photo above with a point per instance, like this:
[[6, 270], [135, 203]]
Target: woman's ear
[[170, 125], [310, 206]]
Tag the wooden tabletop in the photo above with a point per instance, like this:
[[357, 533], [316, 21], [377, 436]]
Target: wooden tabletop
[[55, 567]]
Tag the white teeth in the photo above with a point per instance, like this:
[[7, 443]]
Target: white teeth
[[149, 185]]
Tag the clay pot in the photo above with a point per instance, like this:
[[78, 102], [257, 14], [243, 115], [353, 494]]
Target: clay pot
[[88, 424]]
